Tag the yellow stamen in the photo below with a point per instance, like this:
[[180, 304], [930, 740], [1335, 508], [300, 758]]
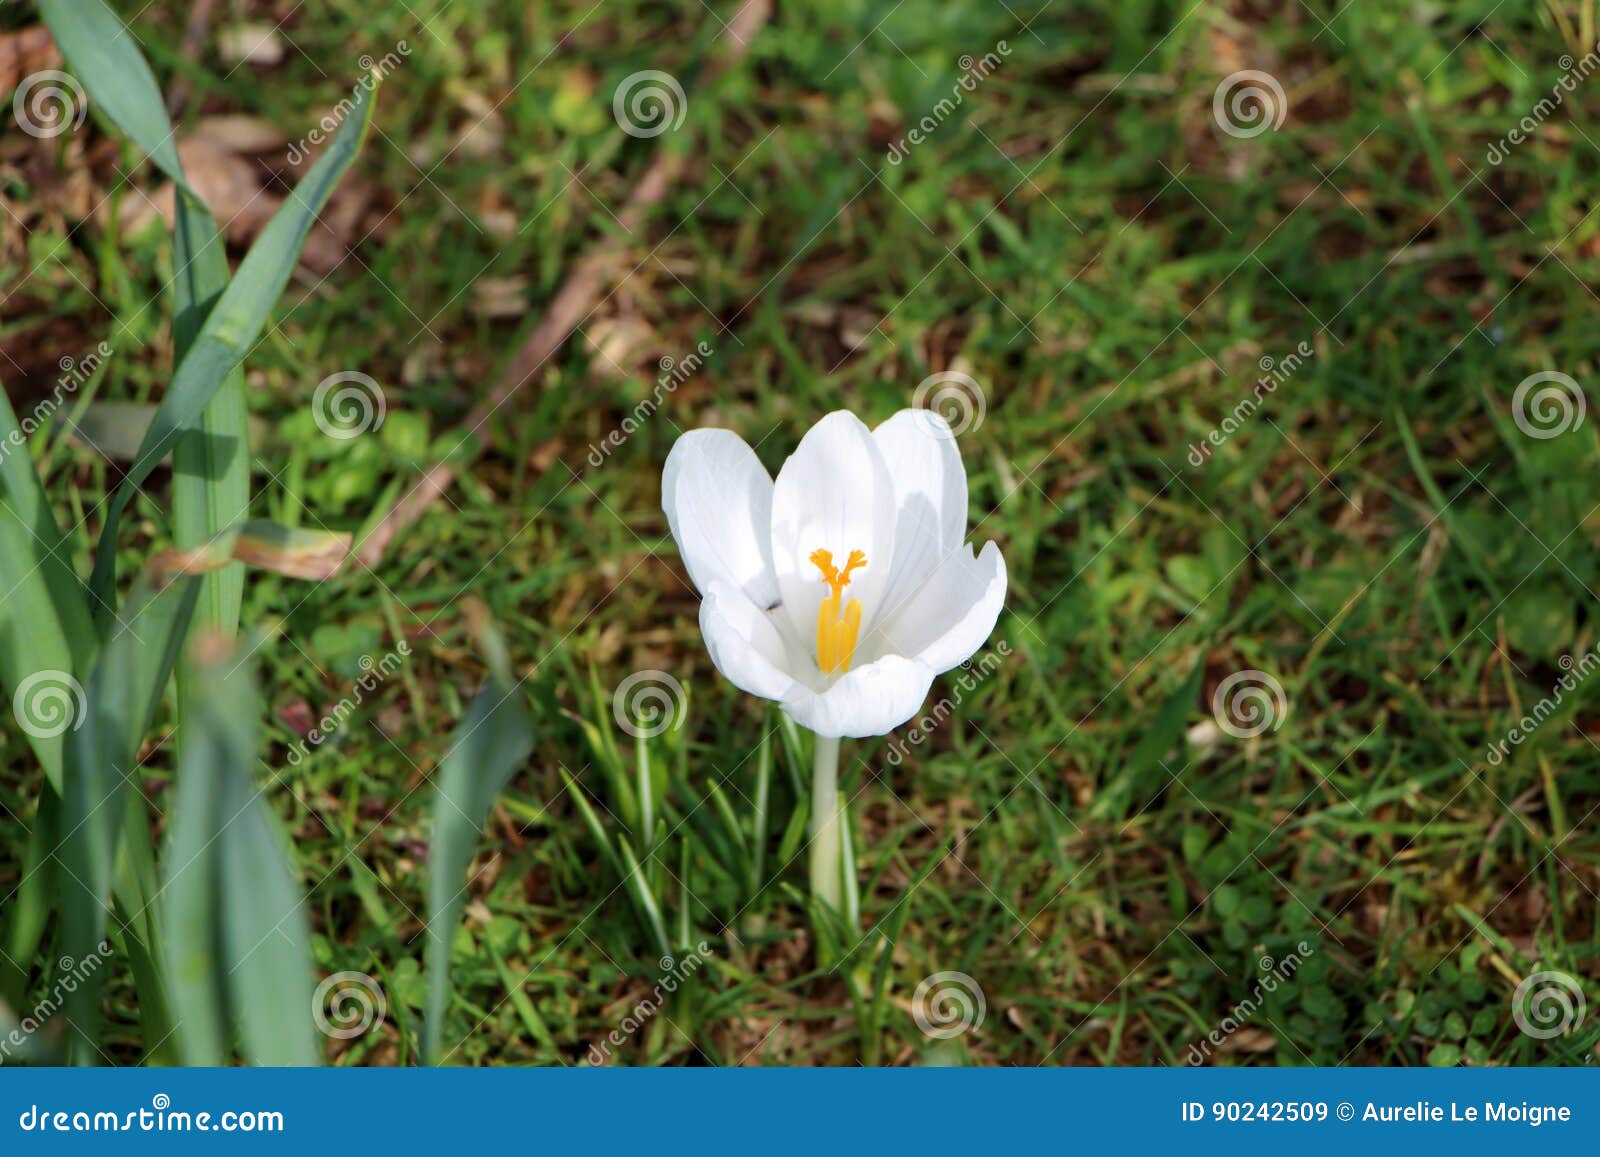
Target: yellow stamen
[[837, 628]]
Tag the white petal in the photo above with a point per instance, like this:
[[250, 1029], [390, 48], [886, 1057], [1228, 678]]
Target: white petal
[[745, 645], [930, 488], [834, 494], [718, 501], [944, 621], [870, 700]]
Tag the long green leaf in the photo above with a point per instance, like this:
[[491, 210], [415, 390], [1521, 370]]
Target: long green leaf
[[45, 630], [491, 742], [266, 936], [211, 463], [231, 328], [110, 66], [253, 947], [28, 913], [218, 736], [138, 892], [120, 699]]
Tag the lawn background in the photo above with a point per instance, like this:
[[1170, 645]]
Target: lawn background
[[1085, 242]]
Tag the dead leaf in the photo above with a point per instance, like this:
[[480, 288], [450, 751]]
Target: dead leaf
[[1227, 55], [241, 134], [480, 137], [250, 43], [296, 716], [497, 214], [1249, 1040], [23, 53], [500, 297], [547, 453], [618, 343], [229, 185], [229, 161]]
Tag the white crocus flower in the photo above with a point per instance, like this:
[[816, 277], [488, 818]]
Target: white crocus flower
[[841, 589]]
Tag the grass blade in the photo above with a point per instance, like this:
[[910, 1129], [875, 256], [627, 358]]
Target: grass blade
[[1145, 765], [492, 741]]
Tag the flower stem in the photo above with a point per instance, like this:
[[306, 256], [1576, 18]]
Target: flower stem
[[827, 865]]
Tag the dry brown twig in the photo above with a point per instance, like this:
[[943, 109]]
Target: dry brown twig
[[573, 302]]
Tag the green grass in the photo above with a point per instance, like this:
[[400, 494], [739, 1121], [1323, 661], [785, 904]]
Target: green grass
[[1083, 240]]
